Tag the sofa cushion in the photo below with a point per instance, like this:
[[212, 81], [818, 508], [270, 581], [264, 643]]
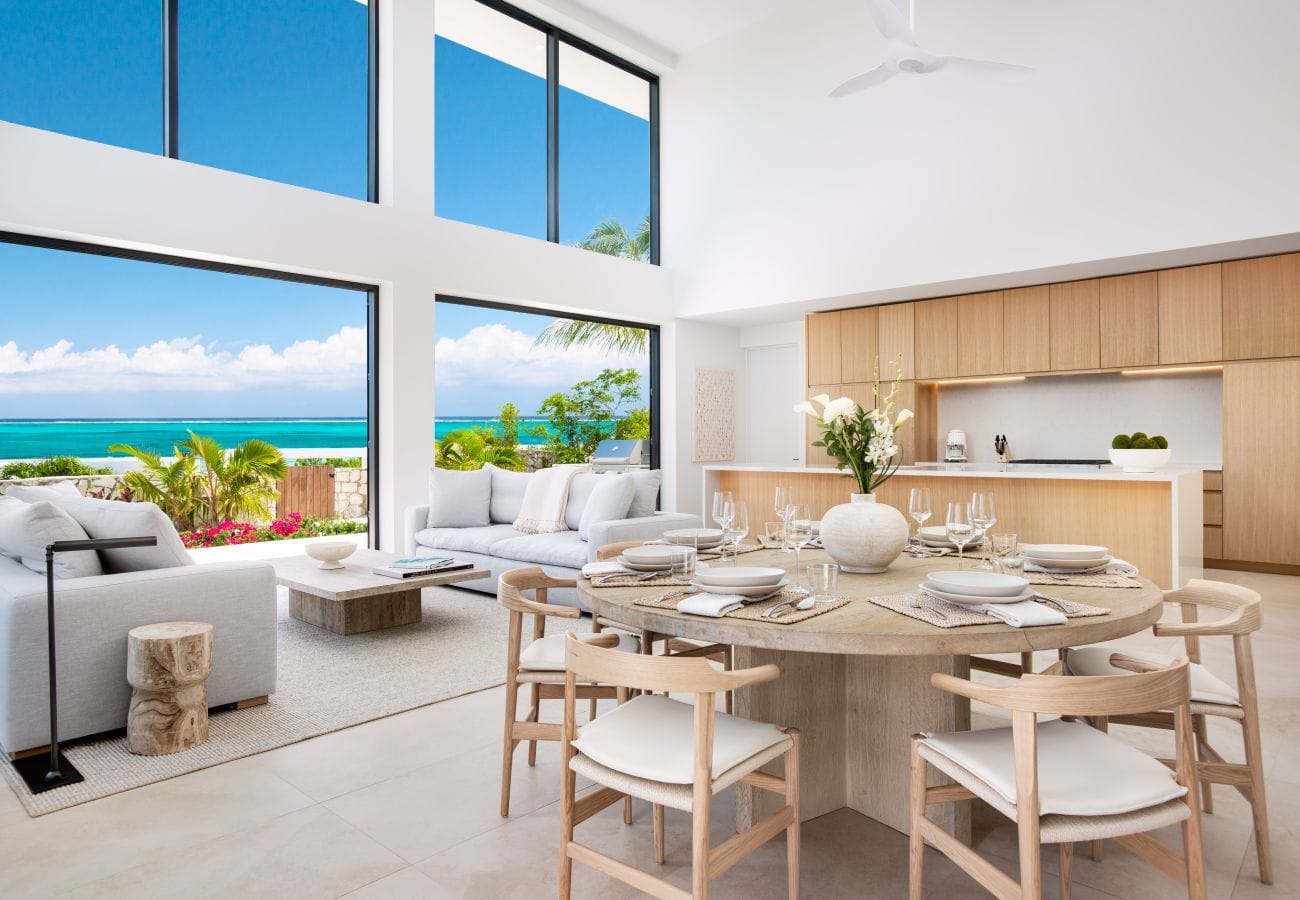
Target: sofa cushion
[[459, 499], [609, 502], [472, 540], [25, 529], [117, 518], [507, 494], [647, 483], [579, 493], [557, 548], [547, 654]]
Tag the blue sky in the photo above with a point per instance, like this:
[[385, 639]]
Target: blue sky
[[278, 91]]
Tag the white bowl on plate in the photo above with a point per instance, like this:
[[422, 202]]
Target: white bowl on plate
[[1048, 563], [331, 554], [753, 591], [1064, 551], [933, 533], [655, 554], [690, 537], [978, 584], [742, 576], [974, 600]]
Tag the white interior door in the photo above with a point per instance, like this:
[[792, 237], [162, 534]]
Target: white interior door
[[775, 386]]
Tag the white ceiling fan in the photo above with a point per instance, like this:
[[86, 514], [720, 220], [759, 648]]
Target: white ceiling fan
[[906, 58]]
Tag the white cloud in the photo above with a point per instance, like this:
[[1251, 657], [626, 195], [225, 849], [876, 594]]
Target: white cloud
[[497, 356], [185, 364]]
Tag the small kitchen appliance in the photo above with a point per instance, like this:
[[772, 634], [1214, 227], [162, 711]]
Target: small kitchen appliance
[[956, 446]]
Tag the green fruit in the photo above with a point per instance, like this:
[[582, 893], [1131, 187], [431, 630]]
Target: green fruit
[[1121, 442], [1145, 444], [1161, 441], [1138, 436]]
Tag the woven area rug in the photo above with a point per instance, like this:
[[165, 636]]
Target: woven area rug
[[326, 682]]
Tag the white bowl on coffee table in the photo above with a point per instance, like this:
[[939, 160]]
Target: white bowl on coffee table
[[330, 554], [978, 584]]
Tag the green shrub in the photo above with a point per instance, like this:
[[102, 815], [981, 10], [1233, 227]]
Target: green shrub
[[321, 526], [1121, 442], [1161, 441], [50, 467], [338, 462]]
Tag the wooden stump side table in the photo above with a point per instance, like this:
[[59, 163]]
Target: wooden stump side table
[[167, 666]]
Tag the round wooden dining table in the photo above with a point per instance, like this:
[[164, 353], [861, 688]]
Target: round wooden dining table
[[856, 680]]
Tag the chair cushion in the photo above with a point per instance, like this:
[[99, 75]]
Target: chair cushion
[[547, 654], [472, 540], [1206, 686], [507, 494], [556, 548], [1081, 771], [116, 518], [580, 489], [653, 737], [25, 529], [647, 483], [459, 499], [609, 502]]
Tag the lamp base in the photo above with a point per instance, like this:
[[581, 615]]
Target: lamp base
[[33, 770]]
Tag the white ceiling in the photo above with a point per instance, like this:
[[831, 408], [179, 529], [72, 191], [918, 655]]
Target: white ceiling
[[682, 25]]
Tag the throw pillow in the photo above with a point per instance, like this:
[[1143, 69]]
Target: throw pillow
[[579, 493], [118, 518], [507, 494], [609, 502], [459, 499], [647, 483], [26, 528]]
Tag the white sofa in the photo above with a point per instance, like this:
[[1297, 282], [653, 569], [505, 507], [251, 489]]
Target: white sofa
[[498, 547]]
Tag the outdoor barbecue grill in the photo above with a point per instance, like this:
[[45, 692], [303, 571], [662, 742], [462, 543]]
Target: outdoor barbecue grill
[[616, 456]]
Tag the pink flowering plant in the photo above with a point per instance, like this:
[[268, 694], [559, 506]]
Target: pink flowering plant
[[228, 532]]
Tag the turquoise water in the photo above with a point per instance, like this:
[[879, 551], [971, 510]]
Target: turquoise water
[[26, 438]]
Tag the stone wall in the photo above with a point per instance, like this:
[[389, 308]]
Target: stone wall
[[104, 487]]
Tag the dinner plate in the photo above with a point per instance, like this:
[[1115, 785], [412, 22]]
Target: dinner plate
[[1066, 563], [655, 554], [968, 600], [752, 592], [643, 567], [945, 544], [691, 537], [1065, 551], [978, 584], [744, 576]]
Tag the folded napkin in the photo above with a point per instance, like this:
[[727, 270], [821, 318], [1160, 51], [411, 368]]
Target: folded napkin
[[1025, 614], [1114, 567], [715, 605], [605, 567]]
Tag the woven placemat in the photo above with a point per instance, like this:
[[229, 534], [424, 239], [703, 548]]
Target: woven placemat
[[749, 546], [754, 611], [1099, 579], [630, 580], [950, 615]]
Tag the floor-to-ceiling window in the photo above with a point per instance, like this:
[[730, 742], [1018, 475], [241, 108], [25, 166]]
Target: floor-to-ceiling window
[[524, 389], [102, 351], [542, 134]]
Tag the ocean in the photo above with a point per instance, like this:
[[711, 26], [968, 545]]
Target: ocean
[[90, 438]]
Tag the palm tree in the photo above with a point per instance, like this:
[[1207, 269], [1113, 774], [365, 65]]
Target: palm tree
[[611, 238], [472, 448]]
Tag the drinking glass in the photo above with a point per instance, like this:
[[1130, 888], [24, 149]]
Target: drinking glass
[[737, 529], [983, 514], [681, 561], [783, 504], [800, 531], [822, 578], [1005, 545], [722, 509], [918, 507], [959, 529], [775, 533]]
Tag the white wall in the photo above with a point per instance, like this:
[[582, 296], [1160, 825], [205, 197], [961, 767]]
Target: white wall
[[1149, 126], [1075, 416]]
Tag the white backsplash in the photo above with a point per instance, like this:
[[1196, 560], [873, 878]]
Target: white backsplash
[[1075, 416]]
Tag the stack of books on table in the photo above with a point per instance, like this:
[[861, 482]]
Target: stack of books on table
[[411, 566]]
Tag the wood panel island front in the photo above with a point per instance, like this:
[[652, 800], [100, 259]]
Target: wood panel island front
[[1152, 520]]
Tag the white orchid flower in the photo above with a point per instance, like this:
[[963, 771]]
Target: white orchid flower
[[903, 416], [823, 399], [805, 407]]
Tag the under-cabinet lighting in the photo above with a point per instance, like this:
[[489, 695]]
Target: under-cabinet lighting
[[989, 380], [1172, 370]]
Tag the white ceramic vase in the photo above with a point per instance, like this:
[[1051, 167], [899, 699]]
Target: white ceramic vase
[[864, 536]]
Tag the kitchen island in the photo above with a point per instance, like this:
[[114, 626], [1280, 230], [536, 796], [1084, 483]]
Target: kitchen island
[[1153, 520]]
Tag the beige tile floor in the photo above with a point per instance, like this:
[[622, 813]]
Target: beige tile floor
[[406, 807]]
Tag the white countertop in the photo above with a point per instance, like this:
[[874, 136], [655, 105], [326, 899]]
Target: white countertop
[[984, 470]]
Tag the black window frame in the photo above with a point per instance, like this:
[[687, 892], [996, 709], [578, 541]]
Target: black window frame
[[543, 311], [372, 329], [554, 36]]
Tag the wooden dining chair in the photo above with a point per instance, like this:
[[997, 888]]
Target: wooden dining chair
[[1210, 695], [673, 754], [1063, 781], [540, 666]]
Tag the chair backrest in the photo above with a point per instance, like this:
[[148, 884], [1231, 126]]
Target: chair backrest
[[1244, 608], [612, 551], [660, 674], [511, 586]]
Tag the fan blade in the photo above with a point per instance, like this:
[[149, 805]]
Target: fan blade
[[878, 75], [890, 20], [983, 67]]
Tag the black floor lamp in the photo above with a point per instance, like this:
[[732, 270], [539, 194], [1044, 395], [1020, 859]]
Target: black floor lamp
[[44, 773]]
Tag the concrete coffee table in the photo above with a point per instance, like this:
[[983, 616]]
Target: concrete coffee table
[[352, 600]]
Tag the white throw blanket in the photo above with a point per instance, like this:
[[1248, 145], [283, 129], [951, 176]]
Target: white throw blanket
[[545, 498]]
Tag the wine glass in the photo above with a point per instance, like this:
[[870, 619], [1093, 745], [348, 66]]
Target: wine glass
[[783, 505], [983, 515], [918, 507], [800, 531], [737, 529], [959, 528], [723, 509]]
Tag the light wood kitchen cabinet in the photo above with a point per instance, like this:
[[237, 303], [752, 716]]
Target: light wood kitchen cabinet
[[859, 344], [980, 334], [1130, 320], [936, 338], [1261, 468], [918, 438], [897, 333], [1075, 325], [823, 348], [1191, 314], [1026, 330], [1261, 307]]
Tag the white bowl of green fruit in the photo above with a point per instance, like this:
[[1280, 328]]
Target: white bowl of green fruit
[[1137, 452]]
